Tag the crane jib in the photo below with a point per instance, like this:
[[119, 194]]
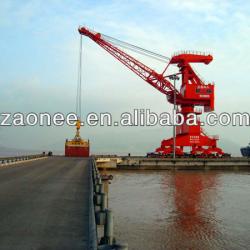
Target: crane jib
[[129, 61]]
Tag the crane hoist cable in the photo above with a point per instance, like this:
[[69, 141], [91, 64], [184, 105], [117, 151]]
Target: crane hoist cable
[[78, 147], [79, 84], [136, 49], [139, 50]]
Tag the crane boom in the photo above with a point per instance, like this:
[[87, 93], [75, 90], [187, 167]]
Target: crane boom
[[146, 73]]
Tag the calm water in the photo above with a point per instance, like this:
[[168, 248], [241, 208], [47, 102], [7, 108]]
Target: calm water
[[181, 210]]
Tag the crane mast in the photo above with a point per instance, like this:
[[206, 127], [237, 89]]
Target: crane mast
[[193, 93]]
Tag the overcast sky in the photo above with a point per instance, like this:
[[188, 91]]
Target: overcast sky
[[39, 58]]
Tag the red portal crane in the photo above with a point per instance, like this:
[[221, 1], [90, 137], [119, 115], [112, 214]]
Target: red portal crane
[[193, 93]]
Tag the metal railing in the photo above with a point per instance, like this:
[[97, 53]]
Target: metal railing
[[103, 215], [6, 160], [202, 53], [92, 239]]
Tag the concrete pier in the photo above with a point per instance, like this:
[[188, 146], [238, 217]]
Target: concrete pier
[[46, 204], [143, 163]]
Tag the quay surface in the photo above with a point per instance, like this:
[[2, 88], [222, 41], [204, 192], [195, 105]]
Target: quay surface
[[45, 205]]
